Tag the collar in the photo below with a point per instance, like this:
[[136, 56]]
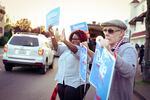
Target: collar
[[115, 48]]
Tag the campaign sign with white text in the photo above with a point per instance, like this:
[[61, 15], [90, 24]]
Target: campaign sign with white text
[[79, 26], [83, 62], [102, 72], [52, 17]]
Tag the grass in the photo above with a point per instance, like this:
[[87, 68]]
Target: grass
[[143, 82]]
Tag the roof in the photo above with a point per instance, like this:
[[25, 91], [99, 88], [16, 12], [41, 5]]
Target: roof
[[135, 1], [138, 18], [143, 14], [95, 27], [137, 34], [95, 30]]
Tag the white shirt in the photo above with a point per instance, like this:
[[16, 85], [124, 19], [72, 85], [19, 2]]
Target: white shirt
[[68, 67]]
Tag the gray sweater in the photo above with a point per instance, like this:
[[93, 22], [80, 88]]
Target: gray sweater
[[124, 74]]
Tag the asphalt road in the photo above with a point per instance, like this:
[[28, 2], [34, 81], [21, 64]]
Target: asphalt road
[[28, 84]]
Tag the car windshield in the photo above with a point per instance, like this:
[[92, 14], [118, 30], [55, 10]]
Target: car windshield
[[24, 41]]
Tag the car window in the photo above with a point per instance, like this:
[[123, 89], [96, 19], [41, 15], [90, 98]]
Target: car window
[[24, 41]]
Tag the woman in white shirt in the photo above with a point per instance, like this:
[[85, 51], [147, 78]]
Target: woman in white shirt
[[70, 84]]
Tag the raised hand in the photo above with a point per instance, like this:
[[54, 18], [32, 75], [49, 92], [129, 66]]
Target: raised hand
[[103, 42], [99, 38], [51, 31], [85, 44], [62, 36]]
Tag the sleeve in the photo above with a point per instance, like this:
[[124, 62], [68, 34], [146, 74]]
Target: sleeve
[[127, 62], [77, 54], [61, 49]]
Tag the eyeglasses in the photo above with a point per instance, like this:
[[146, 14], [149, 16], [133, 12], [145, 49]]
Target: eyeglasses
[[110, 31], [75, 38]]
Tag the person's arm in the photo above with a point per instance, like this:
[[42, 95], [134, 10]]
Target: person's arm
[[53, 39], [126, 61], [71, 46], [90, 52]]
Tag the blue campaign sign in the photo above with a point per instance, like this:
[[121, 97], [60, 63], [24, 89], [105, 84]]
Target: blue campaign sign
[[83, 62], [102, 72], [52, 17], [79, 26]]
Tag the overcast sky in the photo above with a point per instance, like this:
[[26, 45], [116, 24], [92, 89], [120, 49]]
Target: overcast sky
[[72, 11]]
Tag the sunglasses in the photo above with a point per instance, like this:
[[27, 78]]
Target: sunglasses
[[110, 31]]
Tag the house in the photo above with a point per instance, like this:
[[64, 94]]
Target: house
[[137, 21], [2, 13]]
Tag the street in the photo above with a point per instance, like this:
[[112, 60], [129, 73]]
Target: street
[[28, 84]]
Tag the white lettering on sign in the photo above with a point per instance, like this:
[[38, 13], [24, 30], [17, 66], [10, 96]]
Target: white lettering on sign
[[101, 63]]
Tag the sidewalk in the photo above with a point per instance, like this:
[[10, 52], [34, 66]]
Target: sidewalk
[[141, 89], [1, 51]]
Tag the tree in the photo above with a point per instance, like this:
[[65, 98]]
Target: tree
[[22, 25], [147, 45], [7, 32], [8, 27]]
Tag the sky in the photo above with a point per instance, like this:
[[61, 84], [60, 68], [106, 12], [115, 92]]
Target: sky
[[71, 11]]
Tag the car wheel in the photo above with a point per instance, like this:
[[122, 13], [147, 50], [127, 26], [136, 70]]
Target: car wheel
[[51, 66], [43, 70], [8, 68]]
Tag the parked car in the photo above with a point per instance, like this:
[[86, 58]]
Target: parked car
[[28, 50]]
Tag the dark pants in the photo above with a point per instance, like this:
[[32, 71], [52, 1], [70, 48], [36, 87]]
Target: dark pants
[[140, 62], [70, 93]]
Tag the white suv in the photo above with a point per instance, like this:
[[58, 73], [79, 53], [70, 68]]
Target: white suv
[[28, 49]]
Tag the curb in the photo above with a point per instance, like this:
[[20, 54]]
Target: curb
[[139, 95]]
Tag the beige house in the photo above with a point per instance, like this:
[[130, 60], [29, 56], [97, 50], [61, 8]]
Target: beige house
[[2, 13], [137, 21]]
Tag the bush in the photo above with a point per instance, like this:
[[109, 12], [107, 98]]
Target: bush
[[3, 41], [5, 38]]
